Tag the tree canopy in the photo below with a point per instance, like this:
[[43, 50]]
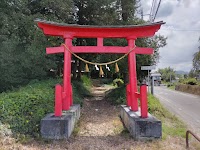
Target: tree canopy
[[195, 71], [167, 74], [22, 43], [196, 61]]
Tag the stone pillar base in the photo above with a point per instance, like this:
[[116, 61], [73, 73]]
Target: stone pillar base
[[141, 128], [60, 127]]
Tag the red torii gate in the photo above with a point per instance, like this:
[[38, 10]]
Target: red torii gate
[[63, 94]]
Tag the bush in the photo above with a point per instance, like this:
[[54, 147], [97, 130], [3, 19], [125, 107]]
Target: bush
[[191, 81], [117, 96], [79, 92], [23, 109], [118, 82], [170, 84], [86, 81]]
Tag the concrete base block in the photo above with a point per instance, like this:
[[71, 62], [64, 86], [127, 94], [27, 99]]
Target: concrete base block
[[60, 127], [141, 128]]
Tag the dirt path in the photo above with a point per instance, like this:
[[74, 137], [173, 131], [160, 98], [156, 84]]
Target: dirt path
[[99, 128], [99, 118]]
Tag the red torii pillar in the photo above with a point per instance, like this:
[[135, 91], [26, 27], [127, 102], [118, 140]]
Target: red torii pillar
[[132, 86], [63, 94], [67, 87]]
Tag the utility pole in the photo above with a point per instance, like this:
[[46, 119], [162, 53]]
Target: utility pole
[[170, 78], [152, 85]]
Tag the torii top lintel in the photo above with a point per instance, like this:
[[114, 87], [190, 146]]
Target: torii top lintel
[[87, 31]]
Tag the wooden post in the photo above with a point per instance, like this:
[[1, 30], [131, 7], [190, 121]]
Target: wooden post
[[143, 101], [58, 101]]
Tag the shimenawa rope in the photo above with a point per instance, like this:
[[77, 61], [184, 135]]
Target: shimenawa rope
[[99, 64]]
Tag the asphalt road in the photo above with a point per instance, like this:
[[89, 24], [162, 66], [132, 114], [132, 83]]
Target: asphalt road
[[185, 106]]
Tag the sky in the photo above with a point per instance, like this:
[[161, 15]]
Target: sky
[[182, 30]]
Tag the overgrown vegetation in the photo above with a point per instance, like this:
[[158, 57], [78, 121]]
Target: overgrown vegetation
[[117, 96], [23, 108], [118, 82], [167, 74], [86, 81], [22, 43], [190, 81], [171, 86], [195, 71], [171, 125]]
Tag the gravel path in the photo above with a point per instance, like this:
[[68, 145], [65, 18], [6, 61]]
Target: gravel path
[[99, 118]]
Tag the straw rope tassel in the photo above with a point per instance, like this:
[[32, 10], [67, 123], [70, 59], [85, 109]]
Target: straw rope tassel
[[87, 68], [116, 68], [101, 73]]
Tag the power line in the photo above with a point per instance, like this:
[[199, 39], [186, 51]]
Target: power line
[[171, 27], [152, 11], [157, 10], [184, 30]]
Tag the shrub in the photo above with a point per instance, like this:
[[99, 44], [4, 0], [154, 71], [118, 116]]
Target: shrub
[[118, 82], [86, 81], [23, 109], [79, 92], [191, 81], [117, 96]]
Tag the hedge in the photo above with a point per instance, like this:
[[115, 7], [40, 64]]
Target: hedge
[[23, 109]]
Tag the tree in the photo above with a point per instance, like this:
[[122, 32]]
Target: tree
[[155, 42], [196, 62], [121, 12], [167, 74], [22, 43], [195, 71]]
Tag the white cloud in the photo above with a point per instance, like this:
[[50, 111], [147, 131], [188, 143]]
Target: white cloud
[[166, 9], [182, 28]]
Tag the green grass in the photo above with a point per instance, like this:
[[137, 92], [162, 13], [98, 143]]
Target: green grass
[[171, 125], [23, 108], [86, 81], [172, 87]]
